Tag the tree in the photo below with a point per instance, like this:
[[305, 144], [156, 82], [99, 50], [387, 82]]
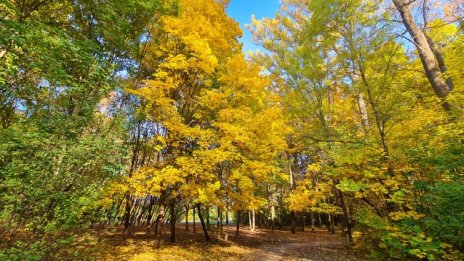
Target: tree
[[213, 110], [430, 56], [62, 136]]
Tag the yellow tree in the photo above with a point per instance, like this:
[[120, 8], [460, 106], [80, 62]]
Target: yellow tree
[[250, 129], [188, 50], [219, 126]]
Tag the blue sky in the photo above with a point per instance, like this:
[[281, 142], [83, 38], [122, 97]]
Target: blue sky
[[242, 10]]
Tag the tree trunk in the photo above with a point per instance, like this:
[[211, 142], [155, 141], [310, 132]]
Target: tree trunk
[[426, 54], [363, 112], [312, 221], [290, 172], [194, 221], [273, 214], [441, 61], [253, 220], [346, 216], [207, 218], [293, 222], [159, 226], [205, 230], [281, 211], [150, 214], [173, 220], [331, 224], [159, 219], [218, 221], [127, 215], [237, 230], [250, 223], [303, 223], [136, 213], [221, 221], [187, 217]]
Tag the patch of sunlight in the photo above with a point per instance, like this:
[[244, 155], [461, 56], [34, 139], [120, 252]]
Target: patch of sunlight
[[233, 250], [169, 253]]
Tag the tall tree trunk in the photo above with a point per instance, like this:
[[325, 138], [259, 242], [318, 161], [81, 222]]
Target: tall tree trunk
[[293, 221], [194, 221], [281, 211], [187, 217], [135, 152], [205, 230], [207, 218], [237, 230], [312, 221], [303, 223], [159, 219], [253, 220], [218, 221], [272, 217], [250, 223], [173, 220], [363, 112], [127, 215], [140, 216], [159, 225], [150, 214], [331, 223], [346, 216], [426, 54], [441, 61]]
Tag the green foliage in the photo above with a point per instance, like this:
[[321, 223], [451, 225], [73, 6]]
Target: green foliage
[[57, 178], [61, 140], [23, 251], [444, 213]]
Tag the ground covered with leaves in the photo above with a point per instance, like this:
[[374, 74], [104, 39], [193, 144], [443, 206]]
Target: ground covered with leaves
[[262, 244]]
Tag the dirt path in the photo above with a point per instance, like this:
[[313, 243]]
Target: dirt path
[[275, 253], [318, 248]]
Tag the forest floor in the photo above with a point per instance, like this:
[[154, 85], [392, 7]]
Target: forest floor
[[262, 244]]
